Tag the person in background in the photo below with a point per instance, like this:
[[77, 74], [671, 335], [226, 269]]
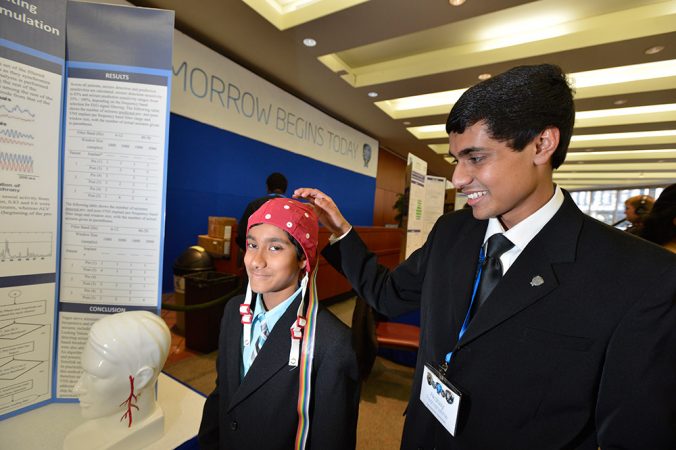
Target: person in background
[[534, 332], [660, 225], [276, 184], [287, 373], [636, 209]]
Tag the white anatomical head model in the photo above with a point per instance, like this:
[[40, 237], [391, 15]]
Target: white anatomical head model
[[123, 357]]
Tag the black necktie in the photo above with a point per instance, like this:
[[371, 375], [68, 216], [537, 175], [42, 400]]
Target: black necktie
[[491, 271]]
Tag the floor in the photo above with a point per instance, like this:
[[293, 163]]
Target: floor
[[383, 398]]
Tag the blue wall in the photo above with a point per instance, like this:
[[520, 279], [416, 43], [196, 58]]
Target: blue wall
[[212, 172]]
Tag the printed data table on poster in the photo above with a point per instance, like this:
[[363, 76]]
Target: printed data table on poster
[[113, 197], [113, 188]]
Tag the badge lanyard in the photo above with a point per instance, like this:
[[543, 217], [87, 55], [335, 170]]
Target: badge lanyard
[[463, 329]]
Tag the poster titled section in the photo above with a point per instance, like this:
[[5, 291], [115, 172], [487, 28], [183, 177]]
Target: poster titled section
[[32, 50], [30, 111], [113, 187]]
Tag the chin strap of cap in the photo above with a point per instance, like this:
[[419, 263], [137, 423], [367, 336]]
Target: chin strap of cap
[[247, 316]]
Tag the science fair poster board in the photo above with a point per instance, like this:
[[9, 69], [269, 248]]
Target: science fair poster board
[[433, 204], [32, 52], [416, 172], [113, 177]]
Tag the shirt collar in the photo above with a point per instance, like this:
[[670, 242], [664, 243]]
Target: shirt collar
[[275, 313], [523, 232]]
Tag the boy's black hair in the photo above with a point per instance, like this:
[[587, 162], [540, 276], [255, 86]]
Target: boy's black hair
[[517, 105]]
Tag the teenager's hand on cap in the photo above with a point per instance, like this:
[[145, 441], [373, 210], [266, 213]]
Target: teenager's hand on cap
[[328, 213]]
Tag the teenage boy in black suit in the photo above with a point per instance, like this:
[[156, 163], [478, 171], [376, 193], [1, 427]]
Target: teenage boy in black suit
[[566, 350]]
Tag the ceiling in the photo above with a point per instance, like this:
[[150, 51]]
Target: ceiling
[[402, 49]]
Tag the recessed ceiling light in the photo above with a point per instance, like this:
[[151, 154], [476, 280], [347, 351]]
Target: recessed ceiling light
[[456, 2], [654, 49], [619, 102], [309, 42], [484, 76], [372, 94]]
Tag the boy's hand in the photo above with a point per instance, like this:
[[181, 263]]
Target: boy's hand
[[328, 213]]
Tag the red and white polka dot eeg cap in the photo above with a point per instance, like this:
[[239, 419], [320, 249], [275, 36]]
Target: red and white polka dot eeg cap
[[296, 218], [300, 221]]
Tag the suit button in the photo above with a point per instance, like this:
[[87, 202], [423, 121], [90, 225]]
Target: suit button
[[233, 425]]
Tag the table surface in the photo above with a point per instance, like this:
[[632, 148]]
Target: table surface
[[46, 427]]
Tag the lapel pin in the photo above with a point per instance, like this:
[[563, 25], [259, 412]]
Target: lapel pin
[[536, 281]]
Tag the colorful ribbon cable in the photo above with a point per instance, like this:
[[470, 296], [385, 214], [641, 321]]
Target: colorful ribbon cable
[[305, 376]]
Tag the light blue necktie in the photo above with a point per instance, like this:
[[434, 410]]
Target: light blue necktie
[[261, 339]]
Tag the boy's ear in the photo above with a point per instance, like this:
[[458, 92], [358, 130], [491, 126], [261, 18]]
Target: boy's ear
[[302, 262], [545, 145]]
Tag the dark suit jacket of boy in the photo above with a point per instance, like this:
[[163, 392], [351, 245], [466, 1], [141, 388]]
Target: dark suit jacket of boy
[[575, 347], [260, 412]]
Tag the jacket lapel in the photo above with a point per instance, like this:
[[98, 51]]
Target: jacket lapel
[[233, 352], [274, 356], [461, 277], [533, 274]]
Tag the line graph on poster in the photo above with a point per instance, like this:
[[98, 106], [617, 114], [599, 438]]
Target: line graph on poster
[[25, 246], [16, 112]]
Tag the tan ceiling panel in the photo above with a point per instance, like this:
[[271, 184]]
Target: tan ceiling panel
[[623, 155], [620, 167], [658, 137], [537, 28], [613, 81]]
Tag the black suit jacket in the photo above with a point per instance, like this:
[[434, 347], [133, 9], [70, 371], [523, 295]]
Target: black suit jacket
[[585, 359], [259, 413]]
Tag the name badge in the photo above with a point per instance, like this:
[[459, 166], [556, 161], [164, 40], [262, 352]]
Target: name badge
[[441, 398]]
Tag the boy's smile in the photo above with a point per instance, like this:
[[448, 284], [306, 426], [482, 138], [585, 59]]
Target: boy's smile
[[272, 263]]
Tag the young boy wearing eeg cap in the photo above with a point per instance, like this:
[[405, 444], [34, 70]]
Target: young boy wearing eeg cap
[[287, 374]]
